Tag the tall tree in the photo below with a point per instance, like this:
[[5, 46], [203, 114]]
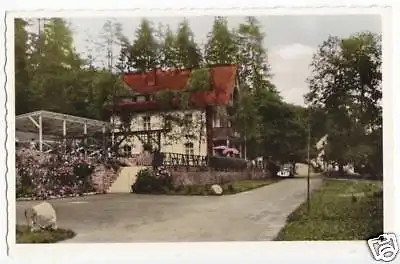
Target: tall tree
[[221, 46], [252, 57], [112, 38], [346, 83], [143, 54], [187, 51], [57, 45], [23, 96], [168, 51], [43, 61], [91, 53], [284, 129], [54, 64], [254, 83]]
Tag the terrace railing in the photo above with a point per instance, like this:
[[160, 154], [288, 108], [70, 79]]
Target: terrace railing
[[185, 160], [214, 162]]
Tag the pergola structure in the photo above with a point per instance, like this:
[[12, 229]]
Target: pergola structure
[[59, 125], [151, 136]]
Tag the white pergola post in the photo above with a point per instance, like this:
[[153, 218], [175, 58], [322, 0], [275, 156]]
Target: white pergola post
[[85, 130], [103, 130], [85, 134], [112, 130], [40, 133], [65, 133]]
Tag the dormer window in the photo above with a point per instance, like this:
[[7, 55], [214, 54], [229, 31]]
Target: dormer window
[[140, 98]]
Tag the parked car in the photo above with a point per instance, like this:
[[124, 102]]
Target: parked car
[[286, 171]]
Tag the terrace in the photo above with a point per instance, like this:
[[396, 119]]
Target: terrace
[[59, 126]]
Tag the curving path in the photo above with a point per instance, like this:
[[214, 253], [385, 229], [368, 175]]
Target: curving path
[[255, 215]]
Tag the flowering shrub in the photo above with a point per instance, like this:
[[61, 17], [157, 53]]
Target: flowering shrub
[[221, 163], [43, 176], [150, 181]]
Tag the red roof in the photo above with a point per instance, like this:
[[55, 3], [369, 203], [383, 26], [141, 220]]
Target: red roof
[[222, 80]]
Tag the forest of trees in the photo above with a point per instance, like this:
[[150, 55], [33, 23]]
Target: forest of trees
[[344, 97]]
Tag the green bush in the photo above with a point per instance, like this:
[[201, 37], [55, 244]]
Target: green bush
[[83, 171], [199, 80], [173, 99], [25, 191], [148, 181], [25, 236], [179, 188], [217, 162], [188, 189]]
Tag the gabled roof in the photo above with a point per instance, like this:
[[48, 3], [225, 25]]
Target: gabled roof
[[222, 82]]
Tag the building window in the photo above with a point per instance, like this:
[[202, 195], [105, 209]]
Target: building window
[[167, 124], [190, 136], [144, 138], [140, 98], [217, 122], [188, 118], [146, 123], [223, 123], [189, 148]]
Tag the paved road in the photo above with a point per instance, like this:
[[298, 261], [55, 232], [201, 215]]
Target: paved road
[[255, 215]]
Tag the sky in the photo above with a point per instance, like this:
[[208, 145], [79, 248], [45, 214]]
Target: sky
[[290, 41]]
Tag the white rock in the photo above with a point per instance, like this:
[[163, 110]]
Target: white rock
[[216, 189], [41, 216]]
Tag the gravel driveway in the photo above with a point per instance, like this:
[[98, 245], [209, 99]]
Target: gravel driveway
[[250, 216]]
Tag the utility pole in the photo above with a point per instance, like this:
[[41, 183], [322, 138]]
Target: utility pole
[[308, 163]]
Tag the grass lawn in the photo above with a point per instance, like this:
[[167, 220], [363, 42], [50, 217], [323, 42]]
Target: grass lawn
[[340, 210], [228, 188], [246, 185], [25, 236]]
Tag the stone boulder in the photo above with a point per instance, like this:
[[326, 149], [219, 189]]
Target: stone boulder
[[41, 216], [216, 189]]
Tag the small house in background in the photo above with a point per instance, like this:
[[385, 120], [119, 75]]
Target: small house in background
[[185, 111]]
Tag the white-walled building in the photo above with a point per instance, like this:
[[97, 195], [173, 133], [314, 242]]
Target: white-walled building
[[187, 134], [190, 139]]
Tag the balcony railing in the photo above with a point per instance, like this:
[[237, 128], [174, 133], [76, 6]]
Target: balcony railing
[[224, 132]]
